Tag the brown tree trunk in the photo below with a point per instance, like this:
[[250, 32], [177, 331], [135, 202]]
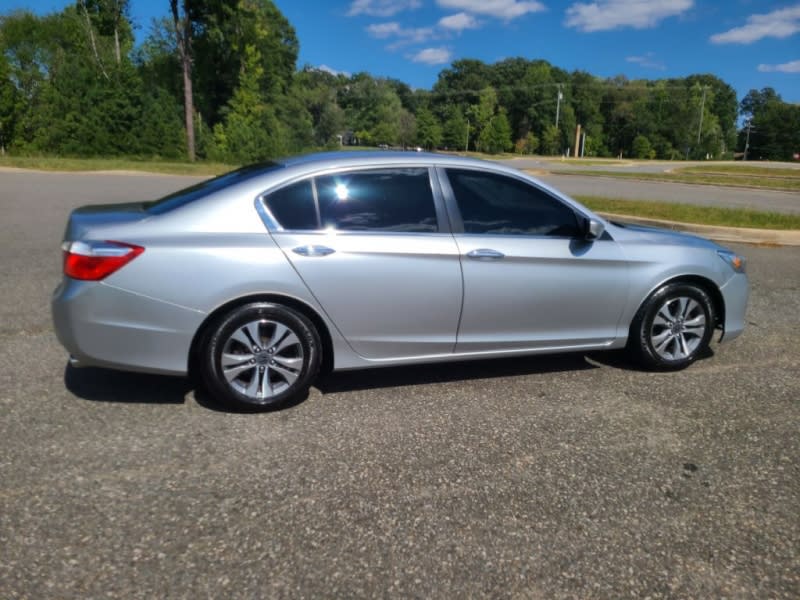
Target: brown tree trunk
[[90, 31], [188, 104], [183, 39]]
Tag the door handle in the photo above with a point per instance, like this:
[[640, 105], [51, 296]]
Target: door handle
[[313, 250], [485, 254]]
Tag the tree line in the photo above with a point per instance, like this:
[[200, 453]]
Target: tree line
[[218, 80]]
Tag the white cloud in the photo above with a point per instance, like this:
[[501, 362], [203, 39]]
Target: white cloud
[[777, 24], [501, 9], [381, 8], [333, 71], [789, 67], [384, 30], [403, 35], [613, 14], [432, 56], [647, 61], [459, 22]]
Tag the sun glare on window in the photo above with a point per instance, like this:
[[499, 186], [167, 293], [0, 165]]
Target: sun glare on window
[[341, 191]]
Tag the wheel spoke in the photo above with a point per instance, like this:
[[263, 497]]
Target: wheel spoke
[[689, 309], [253, 332], [293, 364], [241, 337], [696, 331], [665, 314], [252, 387], [681, 306], [266, 384], [232, 373], [660, 321], [698, 321], [234, 360], [683, 349], [290, 340], [277, 335], [661, 346], [288, 374], [658, 338]]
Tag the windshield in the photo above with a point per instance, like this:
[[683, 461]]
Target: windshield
[[209, 186]]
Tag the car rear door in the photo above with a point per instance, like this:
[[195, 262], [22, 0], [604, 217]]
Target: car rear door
[[530, 281], [374, 248]]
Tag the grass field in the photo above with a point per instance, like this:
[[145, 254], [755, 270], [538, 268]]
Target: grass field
[[786, 180], [740, 169], [114, 164], [685, 213]]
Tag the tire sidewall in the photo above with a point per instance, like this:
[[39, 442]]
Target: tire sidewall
[[222, 330], [644, 324]]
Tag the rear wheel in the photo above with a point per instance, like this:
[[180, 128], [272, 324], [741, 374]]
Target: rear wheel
[[673, 327], [261, 355]]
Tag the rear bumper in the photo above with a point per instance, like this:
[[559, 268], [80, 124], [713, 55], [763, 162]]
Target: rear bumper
[[103, 326], [735, 294]]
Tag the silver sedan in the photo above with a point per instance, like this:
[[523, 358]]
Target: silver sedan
[[261, 278]]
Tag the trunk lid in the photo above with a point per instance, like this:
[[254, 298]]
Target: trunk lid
[[85, 218]]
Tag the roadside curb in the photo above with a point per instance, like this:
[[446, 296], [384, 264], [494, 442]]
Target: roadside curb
[[744, 235]]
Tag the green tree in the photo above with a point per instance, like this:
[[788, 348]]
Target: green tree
[[482, 113], [429, 131], [551, 143], [774, 126], [455, 129], [407, 128], [496, 136], [527, 145], [251, 130], [642, 147], [8, 105]]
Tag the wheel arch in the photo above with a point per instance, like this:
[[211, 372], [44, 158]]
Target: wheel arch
[[704, 283], [293, 303]]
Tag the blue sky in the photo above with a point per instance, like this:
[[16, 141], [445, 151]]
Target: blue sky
[[748, 43]]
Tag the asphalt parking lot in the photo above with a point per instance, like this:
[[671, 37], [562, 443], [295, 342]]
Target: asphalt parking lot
[[561, 477]]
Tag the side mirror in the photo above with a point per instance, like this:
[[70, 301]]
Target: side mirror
[[592, 229]]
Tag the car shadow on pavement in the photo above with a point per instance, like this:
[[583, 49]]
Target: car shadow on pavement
[[366, 379], [620, 359], [107, 385]]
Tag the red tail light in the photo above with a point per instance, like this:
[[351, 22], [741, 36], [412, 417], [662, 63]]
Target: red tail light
[[92, 261]]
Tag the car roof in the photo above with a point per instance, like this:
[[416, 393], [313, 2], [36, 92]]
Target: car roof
[[322, 160]]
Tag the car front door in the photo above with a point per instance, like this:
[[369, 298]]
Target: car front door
[[371, 248], [531, 280]]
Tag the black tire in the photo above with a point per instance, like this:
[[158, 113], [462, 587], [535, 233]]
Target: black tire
[[260, 355], [673, 327]]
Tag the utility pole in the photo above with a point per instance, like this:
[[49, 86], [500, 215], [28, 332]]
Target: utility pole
[[466, 142], [747, 140], [558, 103], [702, 109]]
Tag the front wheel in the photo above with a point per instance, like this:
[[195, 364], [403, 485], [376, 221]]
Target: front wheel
[[261, 355], [673, 327]]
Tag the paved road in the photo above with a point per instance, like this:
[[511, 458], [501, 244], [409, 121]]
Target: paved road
[[562, 477], [701, 195], [626, 166]]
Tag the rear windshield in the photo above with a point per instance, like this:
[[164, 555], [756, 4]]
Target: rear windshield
[[204, 188]]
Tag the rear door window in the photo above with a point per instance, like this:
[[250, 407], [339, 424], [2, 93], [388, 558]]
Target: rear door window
[[386, 200]]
